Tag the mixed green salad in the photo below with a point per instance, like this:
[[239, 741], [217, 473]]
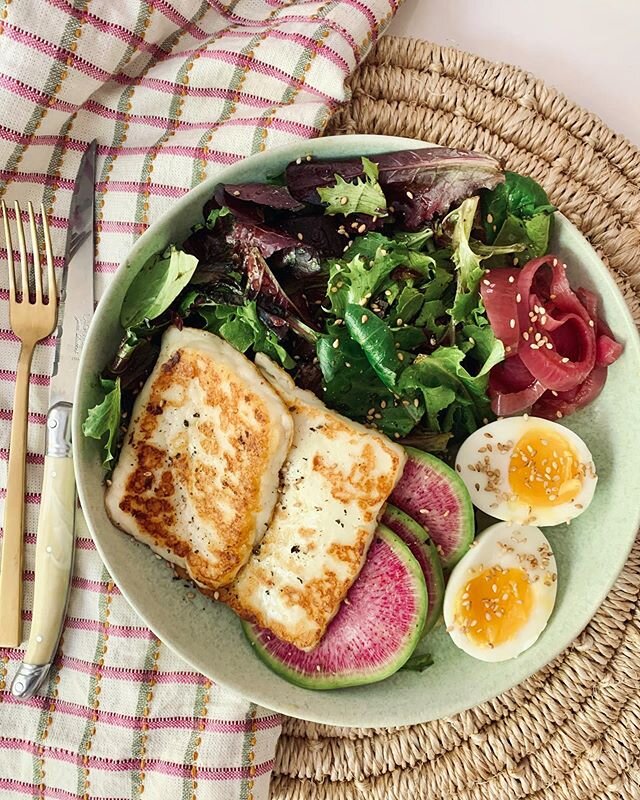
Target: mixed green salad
[[361, 277]]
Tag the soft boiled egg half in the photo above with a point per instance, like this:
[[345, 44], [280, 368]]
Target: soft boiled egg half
[[527, 470], [501, 594]]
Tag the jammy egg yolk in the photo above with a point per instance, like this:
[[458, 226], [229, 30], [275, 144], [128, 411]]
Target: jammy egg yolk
[[495, 605], [544, 469]]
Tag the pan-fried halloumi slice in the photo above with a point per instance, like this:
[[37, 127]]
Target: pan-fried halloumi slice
[[197, 478], [335, 482]]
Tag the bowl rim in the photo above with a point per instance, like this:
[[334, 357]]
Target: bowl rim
[[320, 146]]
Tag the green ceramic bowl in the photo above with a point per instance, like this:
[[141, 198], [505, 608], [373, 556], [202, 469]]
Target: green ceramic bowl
[[590, 553]]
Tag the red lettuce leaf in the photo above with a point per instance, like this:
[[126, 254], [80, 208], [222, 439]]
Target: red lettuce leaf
[[419, 184]]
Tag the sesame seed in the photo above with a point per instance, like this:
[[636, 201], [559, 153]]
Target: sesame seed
[[398, 322], [534, 346], [383, 404], [362, 228], [516, 261], [416, 402], [236, 193], [549, 346], [511, 279], [525, 336], [512, 323], [400, 356], [300, 236], [591, 323], [344, 200], [486, 282], [410, 195], [518, 298], [559, 414], [564, 360], [555, 262], [347, 364], [298, 161], [364, 318], [489, 218], [336, 343], [308, 158]]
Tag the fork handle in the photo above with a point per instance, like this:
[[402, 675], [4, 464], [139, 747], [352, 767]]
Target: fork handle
[[13, 541]]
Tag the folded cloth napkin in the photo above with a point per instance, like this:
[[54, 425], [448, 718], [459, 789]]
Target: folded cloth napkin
[[172, 90]]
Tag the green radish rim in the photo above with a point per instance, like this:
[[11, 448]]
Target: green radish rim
[[421, 533], [465, 528]]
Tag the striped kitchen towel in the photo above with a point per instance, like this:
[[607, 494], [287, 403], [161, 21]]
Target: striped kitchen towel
[[172, 90]]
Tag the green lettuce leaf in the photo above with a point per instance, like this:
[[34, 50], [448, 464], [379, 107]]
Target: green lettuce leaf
[[517, 211], [357, 281], [104, 419], [469, 270], [376, 340], [242, 327], [430, 313], [447, 385], [531, 234], [156, 286], [215, 214], [519, 196], [408, 304], [361, 196], [418, 662], [352, 386]]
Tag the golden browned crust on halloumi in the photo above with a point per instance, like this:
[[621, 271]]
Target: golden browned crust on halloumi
[[335, 482], [197, 477]]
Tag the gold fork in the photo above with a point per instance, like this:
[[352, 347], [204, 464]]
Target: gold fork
[[30, 322]]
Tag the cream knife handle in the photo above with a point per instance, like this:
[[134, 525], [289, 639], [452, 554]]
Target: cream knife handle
[[54, 553]]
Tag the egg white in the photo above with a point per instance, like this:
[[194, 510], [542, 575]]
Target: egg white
[[493, 444], [509, 547]]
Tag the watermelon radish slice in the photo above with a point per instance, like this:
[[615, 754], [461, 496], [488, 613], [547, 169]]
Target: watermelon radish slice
[[434, 495], [416, 537], [372, 635]]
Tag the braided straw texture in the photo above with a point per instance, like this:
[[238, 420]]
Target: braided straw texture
[[571, 731]]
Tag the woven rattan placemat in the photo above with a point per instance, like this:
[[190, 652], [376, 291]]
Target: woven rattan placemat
[[572, 731]]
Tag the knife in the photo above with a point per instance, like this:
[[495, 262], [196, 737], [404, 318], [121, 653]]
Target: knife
[[55, 541]]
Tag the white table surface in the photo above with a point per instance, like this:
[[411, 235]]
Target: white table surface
[[588, 49]]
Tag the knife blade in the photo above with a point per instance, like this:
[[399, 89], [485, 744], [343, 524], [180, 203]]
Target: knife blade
[[55, 540]]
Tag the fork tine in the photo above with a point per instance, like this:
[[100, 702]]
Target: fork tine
[[24, 264], [51, 274], [35, 248], [9, 243]]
